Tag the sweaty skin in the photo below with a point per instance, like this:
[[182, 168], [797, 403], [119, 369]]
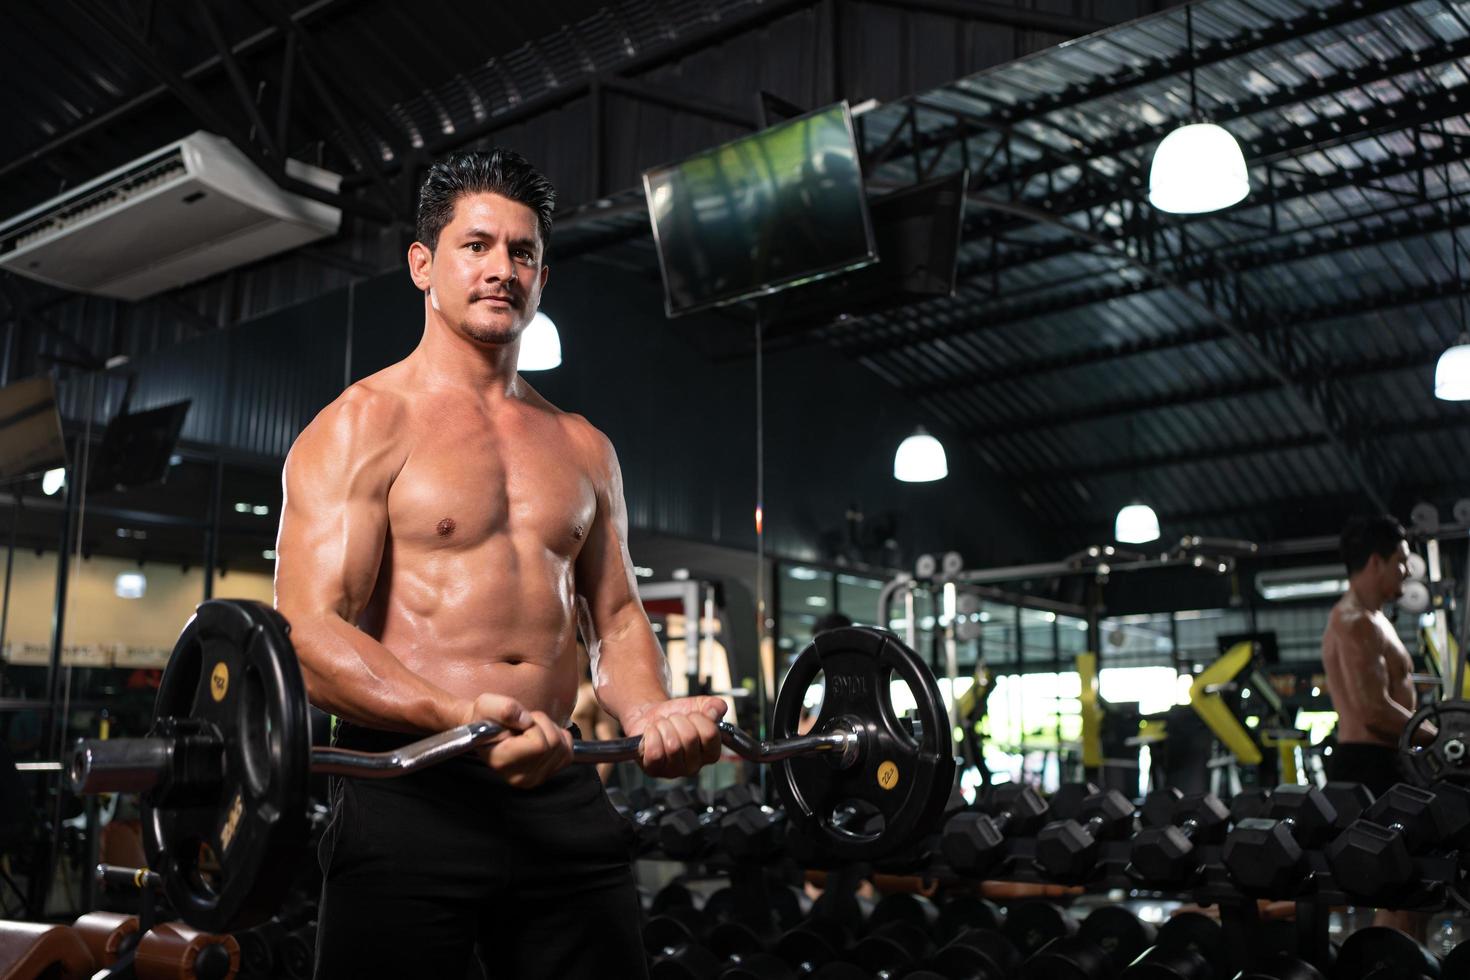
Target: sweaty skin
[[445, 528], [1367, 666]]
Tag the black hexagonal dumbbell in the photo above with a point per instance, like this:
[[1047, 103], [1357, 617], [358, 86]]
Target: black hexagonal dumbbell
[[1374, 857], [1067, 850], [1255, 802], [974, 842], [1348, 799], [1167, 855], [754, 833], [1266, 855], [1158, 806], [689, 833], [1066, 802]]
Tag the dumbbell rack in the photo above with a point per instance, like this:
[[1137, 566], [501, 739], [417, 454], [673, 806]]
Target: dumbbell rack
[[1315, 895]]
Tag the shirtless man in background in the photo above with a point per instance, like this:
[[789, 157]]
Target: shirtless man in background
[[1367, 666], [445, 532], [1368, 670]]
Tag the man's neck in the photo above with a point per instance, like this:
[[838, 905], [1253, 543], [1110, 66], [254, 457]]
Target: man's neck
[[446, 358], [1365, 596]]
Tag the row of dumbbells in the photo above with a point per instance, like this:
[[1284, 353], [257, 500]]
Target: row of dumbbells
[[968, 938], [688, 824], [1268, 844]]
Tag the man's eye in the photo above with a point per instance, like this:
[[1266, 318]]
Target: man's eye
[[476, 246]]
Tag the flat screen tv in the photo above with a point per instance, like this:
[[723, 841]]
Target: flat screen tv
[[918, 231], [136, 448], [31, 440], [761, 213]]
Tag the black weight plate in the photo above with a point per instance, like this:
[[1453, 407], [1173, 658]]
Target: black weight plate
[[904, 777], [1448, 756], [1158, 963], [1034, 923], [227, 864], [1193, 931], [903, 907], [759, 966], [1119, 933], [1385, 953], [805, 949], [979, 951], [964, 912], [1069, 958], [669, 896]]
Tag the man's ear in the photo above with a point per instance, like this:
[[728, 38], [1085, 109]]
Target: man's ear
[[545, 274], [420, 264]]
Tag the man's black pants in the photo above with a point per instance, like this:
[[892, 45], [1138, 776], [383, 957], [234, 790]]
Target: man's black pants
[[427, 870], [1375, 766]]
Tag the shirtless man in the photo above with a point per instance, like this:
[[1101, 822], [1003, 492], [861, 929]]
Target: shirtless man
[[1367, 666], [445, 532]]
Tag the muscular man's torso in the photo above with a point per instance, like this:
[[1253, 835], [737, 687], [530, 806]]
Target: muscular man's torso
[[1339, 655], [486, 518]]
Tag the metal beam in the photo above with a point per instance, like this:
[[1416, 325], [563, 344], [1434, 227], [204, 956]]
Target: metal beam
[[371, 162], [110, 24], [1142, 136], [926, 326], [1231, 450], [126, 110], [1186, 337], [1323, 412], [669, 99], [237, 79], [1200, 393], [746, 20], [1003, 14]]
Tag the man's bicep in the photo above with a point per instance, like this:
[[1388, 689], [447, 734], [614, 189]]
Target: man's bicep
[[605, 576], [333, 526], [1365, 674]]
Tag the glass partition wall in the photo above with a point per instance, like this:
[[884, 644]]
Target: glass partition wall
[[97, 583]]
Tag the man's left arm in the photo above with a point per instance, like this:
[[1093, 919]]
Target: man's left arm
[[629, 670]]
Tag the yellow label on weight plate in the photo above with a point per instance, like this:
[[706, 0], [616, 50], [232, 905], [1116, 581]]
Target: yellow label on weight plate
[[888, 775], [219, 681]]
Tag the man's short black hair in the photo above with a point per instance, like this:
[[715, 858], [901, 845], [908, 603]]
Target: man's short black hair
[[497, 171], [1364, 537]]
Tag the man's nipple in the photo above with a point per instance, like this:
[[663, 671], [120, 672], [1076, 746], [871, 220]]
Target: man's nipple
[[578, 531], [445, 527]]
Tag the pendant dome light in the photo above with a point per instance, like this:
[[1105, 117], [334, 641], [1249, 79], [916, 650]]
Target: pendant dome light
[[540, 345], [1199, 167], [920, 459]]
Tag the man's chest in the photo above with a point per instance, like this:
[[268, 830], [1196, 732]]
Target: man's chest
[[462, 486]]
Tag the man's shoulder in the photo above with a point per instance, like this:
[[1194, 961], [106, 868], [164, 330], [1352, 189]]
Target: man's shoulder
[[585, 437], [367, 410]]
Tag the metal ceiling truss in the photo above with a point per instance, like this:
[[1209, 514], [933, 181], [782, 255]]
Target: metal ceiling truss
[[1185, 337], [1250, 447]]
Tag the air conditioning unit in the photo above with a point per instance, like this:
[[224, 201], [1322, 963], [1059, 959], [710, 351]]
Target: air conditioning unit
[[177, 215]]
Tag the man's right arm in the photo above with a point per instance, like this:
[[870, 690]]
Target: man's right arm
[[333, 528], [1365, 687]]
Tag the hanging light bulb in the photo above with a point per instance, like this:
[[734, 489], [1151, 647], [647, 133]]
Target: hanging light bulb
[[1197, 168], [540, 345], [920, 459], [1452, 372], [1136, 524], [53, 480]]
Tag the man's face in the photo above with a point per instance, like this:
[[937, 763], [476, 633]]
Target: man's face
[[485, 276], [1392, 570]]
